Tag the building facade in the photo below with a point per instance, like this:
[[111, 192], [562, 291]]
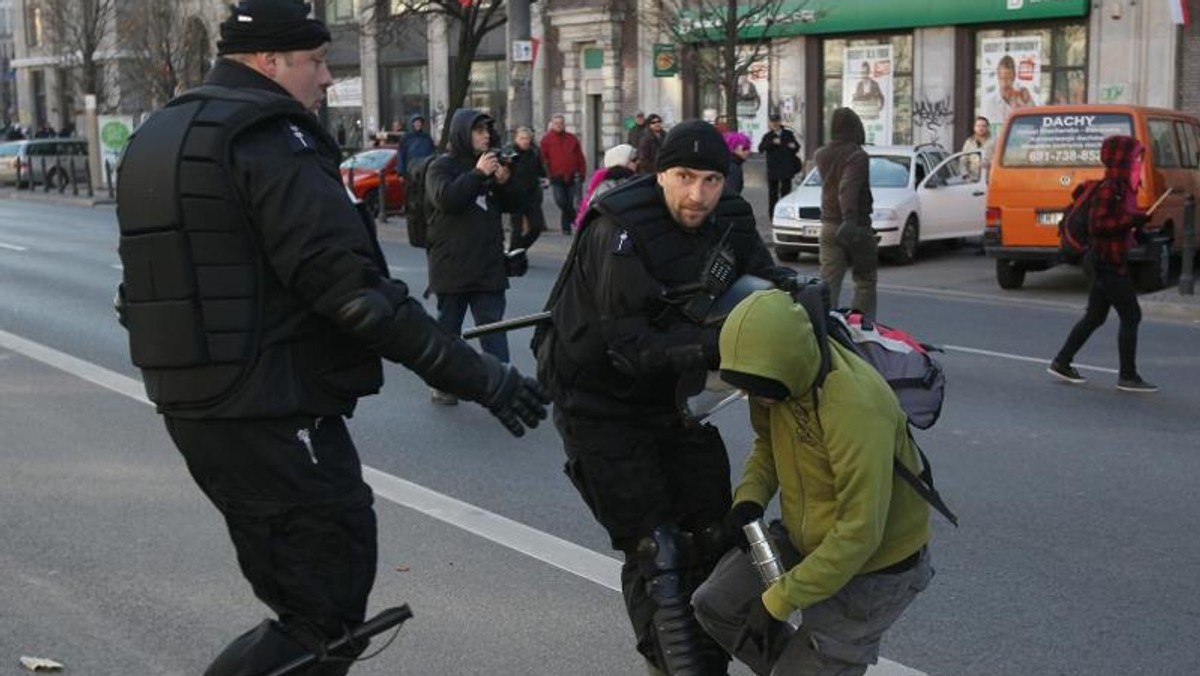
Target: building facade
[[918, 71]]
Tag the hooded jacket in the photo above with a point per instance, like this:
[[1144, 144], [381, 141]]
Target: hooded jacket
[[1113, 213], [845, 171], [828, 455], [466, 232], [416, 144]]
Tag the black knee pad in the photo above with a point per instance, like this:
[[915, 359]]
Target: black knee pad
[[662, 560]]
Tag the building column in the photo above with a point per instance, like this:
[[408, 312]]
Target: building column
[[439, 73], [368, 68]]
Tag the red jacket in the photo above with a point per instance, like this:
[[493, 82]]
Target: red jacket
[[563, 156], [1113, 214]]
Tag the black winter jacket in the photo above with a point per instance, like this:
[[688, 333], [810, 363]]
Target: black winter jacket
[[612, 325], [782, 162], [466, 231]]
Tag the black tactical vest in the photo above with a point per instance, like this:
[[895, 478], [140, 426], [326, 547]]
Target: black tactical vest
[[192, 282], [578, 357]]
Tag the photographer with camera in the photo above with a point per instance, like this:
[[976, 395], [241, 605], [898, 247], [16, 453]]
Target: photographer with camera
[[467, 190]]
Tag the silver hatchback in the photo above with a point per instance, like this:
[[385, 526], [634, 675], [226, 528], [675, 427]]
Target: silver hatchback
[[42, 160]]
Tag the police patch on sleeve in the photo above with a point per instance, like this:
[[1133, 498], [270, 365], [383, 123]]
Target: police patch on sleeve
[[622, 244], [299, 140]]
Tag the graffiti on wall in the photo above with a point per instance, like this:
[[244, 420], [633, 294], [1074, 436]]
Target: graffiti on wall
[[931, 118]]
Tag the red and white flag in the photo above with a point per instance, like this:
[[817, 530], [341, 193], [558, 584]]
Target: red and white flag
[[1179, 11]]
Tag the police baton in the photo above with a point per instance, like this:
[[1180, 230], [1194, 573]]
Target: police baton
[[385, 620], [507, 325]]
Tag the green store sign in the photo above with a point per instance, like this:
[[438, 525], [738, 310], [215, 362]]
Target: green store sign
[[816, 17]]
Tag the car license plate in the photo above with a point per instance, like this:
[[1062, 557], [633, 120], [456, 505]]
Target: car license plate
[[1049, 217], [812, 231]]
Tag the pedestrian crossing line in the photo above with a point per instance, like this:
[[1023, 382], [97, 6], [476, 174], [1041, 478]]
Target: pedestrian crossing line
[[565, 555]]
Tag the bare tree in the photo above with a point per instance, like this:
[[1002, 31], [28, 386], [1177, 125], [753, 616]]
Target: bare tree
[[167, 47], [727, 39], [76, 28], [468, 22]]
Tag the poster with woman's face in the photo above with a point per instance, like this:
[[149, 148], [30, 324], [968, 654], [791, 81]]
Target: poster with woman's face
[[1010, 76], [867, 89]]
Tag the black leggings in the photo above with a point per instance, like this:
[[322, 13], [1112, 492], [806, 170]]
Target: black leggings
[[1110, 289]]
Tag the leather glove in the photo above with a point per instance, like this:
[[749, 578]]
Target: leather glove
[[763, 633], [853, 237], [739, 515], [518, 402]]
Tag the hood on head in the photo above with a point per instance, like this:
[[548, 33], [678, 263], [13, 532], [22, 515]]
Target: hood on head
[[414, 118], [1118, 153], [767, 335], [461, 124], [847, 126]]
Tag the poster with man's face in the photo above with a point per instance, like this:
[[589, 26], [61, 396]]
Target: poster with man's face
[[867, 89], [753, 95], [1010, 76]]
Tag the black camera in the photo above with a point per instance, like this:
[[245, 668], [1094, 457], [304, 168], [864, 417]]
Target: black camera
[[505, 155]]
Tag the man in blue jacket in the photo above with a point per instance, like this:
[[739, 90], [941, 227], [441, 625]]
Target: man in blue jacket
[[417, 143]]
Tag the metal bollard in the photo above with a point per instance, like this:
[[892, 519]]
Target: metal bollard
[[108, 178], [71, 177], [382, 215], [20, 165], [1187, 277], [45, 178], [62, 188]]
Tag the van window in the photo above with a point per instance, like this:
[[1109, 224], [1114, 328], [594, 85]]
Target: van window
[[10, 149], [1060, 139], [1187, 140], [1164, 146]]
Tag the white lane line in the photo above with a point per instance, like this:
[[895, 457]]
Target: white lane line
[[987, 298], [1016, 357], [568, 556], [603, 570], [12, 247], [583, 562]]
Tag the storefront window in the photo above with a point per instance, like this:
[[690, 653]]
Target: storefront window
[[489, 90], [405, 93], [339, 11], [1029, 67], [873, 76]]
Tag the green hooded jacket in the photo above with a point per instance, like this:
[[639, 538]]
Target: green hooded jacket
[[829, 457]]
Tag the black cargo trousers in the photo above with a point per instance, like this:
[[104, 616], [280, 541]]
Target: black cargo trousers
[[300, 517], [639, 474]]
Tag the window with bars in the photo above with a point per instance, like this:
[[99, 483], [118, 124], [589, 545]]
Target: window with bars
[[1045, 64], [837, 80]]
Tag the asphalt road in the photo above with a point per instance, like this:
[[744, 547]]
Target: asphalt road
[[1076, 503]]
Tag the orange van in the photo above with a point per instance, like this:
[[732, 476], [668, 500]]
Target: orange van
[[1044, 152]]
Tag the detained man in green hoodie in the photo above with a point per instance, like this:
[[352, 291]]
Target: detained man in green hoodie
[[855, 554]]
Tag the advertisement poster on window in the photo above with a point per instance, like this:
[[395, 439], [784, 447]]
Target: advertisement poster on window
[[753, 91], [1010, 76], [867, 89]]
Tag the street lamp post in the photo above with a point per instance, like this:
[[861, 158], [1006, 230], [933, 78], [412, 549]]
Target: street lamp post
[[520, 66]]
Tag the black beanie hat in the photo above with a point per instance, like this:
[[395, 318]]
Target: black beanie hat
[[756, 386], [694, 144], [270, 26]]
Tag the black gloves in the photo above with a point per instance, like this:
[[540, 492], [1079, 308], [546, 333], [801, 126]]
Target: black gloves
[[739, 515], [764, 634], [518, 402]]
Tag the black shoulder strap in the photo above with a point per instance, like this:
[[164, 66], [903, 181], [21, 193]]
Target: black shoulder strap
[[923, 484]]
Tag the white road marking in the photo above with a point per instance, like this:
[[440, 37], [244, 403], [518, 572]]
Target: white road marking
[[12, 247], [568, 556], [1016, 357]]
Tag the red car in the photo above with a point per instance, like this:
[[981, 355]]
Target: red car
[[361, 173]]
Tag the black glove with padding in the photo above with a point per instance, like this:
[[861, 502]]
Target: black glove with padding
[[516, 400]]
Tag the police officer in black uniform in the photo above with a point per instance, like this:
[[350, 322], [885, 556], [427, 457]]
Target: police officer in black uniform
[[628, 312], [258, 306]]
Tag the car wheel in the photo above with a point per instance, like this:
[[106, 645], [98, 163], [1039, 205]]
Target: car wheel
[[1155, 273], [910, 237], [1009, 275], [371, 201]]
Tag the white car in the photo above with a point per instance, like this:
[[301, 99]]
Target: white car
[[920, 194]]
